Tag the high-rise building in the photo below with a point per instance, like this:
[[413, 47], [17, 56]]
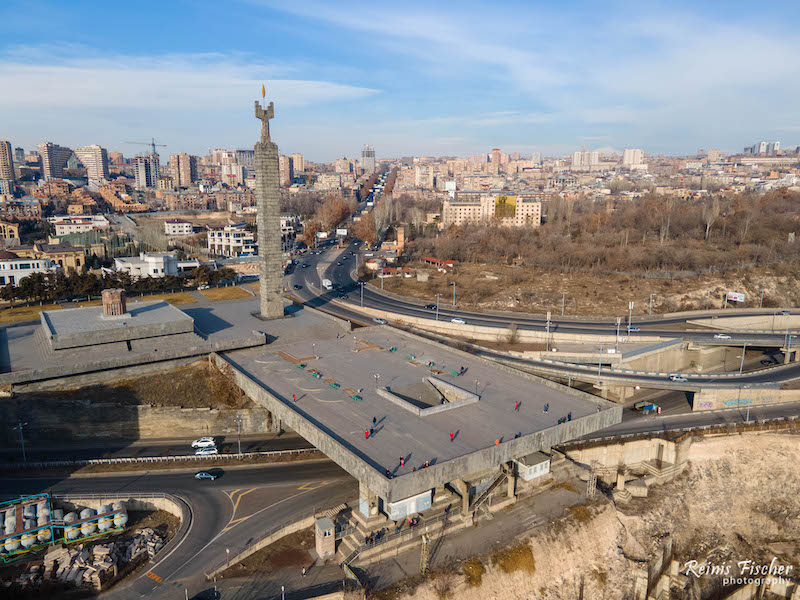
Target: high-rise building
[[343, 165], [147, 171], [246, 158], [537, 157], [6, 161], [714, 155], [368, 159], [585, 159], [95, 159], [54, 159], [286, 168], [497, 156], [773, 148], [233, 174], [298, 162], [116, 158], [632, 157], [183, 169], [19, 156]]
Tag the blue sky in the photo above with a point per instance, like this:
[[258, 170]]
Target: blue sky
[[421, 78]]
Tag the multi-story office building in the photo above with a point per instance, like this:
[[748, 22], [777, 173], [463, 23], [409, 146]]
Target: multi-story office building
[[286, 169], [147, 171], [632, 157], [368, 159], [183, 169], [19, 156], [6, 161], [298, 162], [54, 159], [508, 211], [95, 159]]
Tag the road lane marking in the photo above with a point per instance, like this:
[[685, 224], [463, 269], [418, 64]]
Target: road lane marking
[[238, 498], [154, 577]]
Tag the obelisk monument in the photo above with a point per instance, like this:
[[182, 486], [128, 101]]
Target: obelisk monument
[[268, 199]]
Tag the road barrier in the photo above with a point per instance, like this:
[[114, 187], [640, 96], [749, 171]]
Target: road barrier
[[153, 459]]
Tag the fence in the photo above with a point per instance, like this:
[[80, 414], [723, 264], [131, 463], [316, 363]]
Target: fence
[[155, 459]]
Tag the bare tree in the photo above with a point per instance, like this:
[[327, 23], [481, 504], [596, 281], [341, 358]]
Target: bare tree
[[710, 214]]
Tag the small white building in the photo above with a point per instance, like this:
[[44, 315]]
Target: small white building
[[178, 227], [65, 225], [13, 269], [533, 465], [149, 264], [231, 240]]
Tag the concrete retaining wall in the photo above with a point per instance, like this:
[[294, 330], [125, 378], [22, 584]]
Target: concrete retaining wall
[[76, 420], [16, 377], [757, 322], [715, 399], [615, 455], [131, 503]]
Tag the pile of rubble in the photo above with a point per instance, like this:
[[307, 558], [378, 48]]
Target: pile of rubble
[[92, 566]]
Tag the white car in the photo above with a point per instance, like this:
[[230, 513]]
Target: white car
[[204, 287], [204, 442], [379, 321], [678, 378], [721, 336], [206, 451], [458, 321]]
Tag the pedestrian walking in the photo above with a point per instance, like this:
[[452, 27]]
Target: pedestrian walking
[[304, 571], [402, 461], [294, 397], [546, 407], [374, 421], [371, 431], [516, 405], [427, 464], [388, 473], [569, 416], [452, 436], [366, 434], [497, 442]]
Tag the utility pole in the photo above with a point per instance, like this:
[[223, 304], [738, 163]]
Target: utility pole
[[361, 283], [437, 307], [600, 361], [619, 320], [761, 302], [563, 302], [239, 433], [630, 316], [19, 426], [454, 292], [741, 364]]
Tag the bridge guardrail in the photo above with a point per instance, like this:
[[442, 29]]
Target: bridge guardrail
[[153, 459]]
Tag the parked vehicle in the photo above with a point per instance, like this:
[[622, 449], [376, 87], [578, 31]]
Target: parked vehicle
[[326, 283]]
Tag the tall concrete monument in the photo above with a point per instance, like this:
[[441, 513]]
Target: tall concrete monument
[[268, 221]]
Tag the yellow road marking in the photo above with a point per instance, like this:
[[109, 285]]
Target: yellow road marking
[[154, 577], [238, 499], [232, 492]]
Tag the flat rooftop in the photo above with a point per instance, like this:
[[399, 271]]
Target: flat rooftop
[[369, 360]]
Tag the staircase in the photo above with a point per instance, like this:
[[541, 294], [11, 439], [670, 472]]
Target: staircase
[[487, 492]]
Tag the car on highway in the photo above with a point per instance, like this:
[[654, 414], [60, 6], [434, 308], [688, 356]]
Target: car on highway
[[430, 306], [204, 287], [304, 265], [458, 321], [206, 451], [338, 263], [678, 378], [786, 313], [205, 475], [634, 329], [297, 286], [721, 336], [204, 442], [342, 296], [379, 321]]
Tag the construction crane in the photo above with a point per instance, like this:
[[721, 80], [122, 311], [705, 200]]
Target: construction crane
[[152, 143]]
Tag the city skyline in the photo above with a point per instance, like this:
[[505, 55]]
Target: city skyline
[[420, 82]]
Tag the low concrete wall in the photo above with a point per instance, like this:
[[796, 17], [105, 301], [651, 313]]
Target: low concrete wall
[[755, 322], [616, 455], [131, 503], [76, 420], [716, 399], [263, 543], [492, 334]]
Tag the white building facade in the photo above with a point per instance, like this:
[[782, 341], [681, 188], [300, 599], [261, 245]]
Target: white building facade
[[13, 270], [178, 227], [231, 240], [148, 264]]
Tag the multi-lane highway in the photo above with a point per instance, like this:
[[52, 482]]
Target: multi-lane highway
[[226, 514]]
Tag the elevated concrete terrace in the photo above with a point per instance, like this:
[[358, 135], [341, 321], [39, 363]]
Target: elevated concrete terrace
[[337, 397]]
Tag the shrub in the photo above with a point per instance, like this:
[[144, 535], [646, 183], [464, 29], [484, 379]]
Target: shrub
[[473, 572], [515, 558]]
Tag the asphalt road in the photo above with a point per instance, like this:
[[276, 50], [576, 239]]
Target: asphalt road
[[228, 513]]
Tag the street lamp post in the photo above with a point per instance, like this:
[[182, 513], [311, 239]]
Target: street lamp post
[[437, 307], [547, 329], [741, 364], [454, 292], [239, 433], [361, 283], [376, 376], [761, 302], [651, 304], [19, 426], [476, 387], [563, 302], [616, 343], [630, 316], [600, 361]]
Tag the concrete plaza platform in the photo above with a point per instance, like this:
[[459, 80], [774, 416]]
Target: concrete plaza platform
[[329, 390]]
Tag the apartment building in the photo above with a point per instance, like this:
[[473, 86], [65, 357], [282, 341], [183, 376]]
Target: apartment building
[[95, 159], [14, 269], [178, 227], [231, 240], [53, 159], [6, 161], [508, 211]]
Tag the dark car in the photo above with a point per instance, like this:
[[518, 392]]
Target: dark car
[[430, 306], [342, 296], [298, 287], [304, 265]]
